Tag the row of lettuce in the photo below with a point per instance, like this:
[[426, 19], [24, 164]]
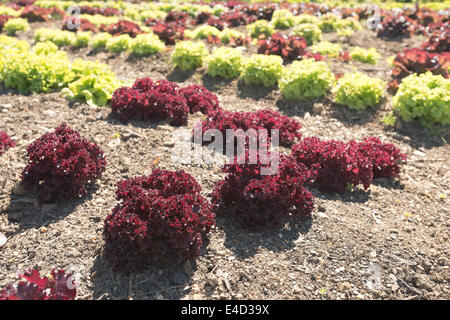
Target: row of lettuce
[[425, 97], [142, 12], [44, 68], [144, 15], [150, 43], [160, 8], [307, 25], [306, 22]]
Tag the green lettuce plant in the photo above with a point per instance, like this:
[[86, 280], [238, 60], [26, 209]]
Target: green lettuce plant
[[202, 32], [98, 19], [8, 11], [327, 48], [225, 62], [306, 18], [261, 69], [358, 91], [425, 97], [146, 44], [306, 79], [226, 34], [94, 90], [45, 68], [189, 55], [309, 31], [100, 40], [260, 27], [82, 39], [282, 19], [58, 37], [370, 56], [42, 70], [12, 26], [119, 43]]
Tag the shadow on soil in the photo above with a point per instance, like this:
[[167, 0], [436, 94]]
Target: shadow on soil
[[167, 281], [111, 119], [293, 108], [6, 91], [29, 213], [254, 92], [354, 117], [214, 83], [246, 243], [389, 183], [418, 136], [177, 75], [357, 195]]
